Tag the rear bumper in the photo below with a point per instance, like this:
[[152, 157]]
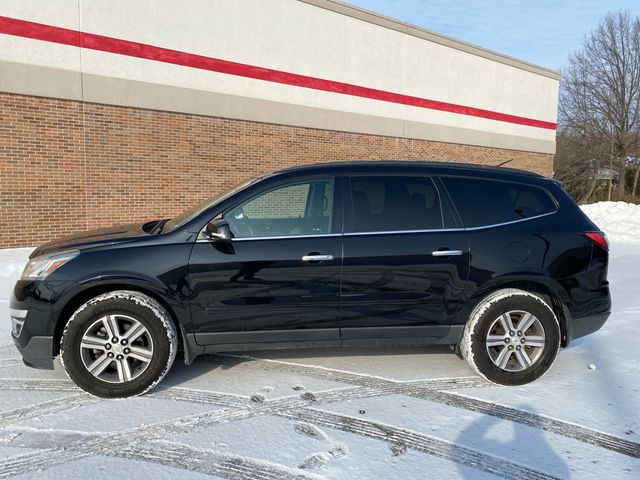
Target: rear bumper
[[579, 327]]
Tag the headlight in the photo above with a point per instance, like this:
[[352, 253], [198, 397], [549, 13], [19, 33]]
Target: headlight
[[40, 268]]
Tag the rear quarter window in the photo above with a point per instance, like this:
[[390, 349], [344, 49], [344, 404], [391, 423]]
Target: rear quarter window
[[483, 202]]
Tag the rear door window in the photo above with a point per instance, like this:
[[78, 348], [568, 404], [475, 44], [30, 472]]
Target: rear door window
[[488, 202], [394, 203]]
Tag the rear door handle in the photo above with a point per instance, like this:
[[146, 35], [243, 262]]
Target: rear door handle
[[446, 253], [317, 258]]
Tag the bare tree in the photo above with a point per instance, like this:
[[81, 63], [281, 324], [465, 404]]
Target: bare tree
[[600, 98], [582, 164]]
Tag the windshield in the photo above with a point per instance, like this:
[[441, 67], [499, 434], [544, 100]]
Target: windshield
[[192, 213]]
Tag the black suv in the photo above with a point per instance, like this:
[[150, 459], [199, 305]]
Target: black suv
[[499, 263]]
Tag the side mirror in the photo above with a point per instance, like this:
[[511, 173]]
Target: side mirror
[[218, 231]]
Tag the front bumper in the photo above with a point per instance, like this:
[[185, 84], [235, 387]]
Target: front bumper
[[36, 350], [34, 308], [37, 353]]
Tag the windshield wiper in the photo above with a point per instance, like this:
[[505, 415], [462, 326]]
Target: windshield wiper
[[157, 228]]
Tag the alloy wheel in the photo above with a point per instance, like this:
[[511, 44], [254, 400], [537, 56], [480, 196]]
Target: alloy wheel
[[116, 348], [515, 340]]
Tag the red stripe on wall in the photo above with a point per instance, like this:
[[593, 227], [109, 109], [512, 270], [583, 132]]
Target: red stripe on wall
[[64, 36]]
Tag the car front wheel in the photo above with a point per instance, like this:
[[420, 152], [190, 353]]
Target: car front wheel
[[512, 337], [119, 344]]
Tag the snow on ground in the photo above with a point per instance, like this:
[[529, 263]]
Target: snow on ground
[[343, 414]]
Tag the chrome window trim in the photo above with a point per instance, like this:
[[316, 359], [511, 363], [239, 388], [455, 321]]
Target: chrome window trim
[[388, 232], [283, 237], [460, 229], [520, 220], [395, 232], [278, 237]]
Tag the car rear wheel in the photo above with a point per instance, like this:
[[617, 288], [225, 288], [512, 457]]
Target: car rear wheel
[[512, 337], [119, 344]]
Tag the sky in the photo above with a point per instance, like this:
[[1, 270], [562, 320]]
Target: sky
[[543, 32]]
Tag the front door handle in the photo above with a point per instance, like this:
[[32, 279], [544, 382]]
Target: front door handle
[[317, 258], [446, 253]]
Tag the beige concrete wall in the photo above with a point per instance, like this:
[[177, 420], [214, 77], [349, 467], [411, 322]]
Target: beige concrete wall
[[289, 35]]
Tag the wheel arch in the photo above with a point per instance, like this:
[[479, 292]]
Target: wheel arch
[[81, 297], [536, 286]]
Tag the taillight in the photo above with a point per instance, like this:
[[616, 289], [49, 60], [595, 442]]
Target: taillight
[[598, 237]]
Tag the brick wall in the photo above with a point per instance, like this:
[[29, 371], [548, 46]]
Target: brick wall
[[66, 166], [285, 202]]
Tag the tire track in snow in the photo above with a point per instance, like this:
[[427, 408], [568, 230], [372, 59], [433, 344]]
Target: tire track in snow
[[288, 407], [293, 407], [560, 427], [10, 362], [448, 383], [432, 390], [321, 397], [343, 394], [36, 461], [373, 386], [188, 424], [353, 378], [43, 409], [54, 439], [75, 446], [198, 396], [178, 457], [209, 462], [43, 385], [553, 425], [401, 437]]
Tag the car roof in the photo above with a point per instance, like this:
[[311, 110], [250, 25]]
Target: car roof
[[382, 166]]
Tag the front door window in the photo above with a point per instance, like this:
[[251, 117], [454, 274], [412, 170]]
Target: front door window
[[301, 208]]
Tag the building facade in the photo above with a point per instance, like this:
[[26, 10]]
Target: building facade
[[116, 112]]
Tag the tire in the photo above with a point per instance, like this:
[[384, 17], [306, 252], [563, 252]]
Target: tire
[[145, 340], [502, 356]]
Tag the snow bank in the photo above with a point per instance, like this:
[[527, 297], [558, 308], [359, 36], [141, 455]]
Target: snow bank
[[12, 262], [619, 220]]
